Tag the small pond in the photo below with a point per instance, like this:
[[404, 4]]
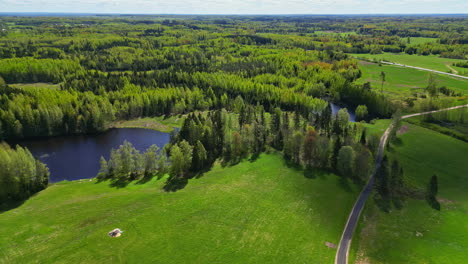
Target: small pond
[[77, 157], [335, 108]]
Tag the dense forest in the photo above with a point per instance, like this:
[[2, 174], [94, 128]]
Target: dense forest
[[115, 68], [247, 84]]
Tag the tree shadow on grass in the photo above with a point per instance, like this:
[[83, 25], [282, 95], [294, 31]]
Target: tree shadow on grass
[[145, 179], [397, 203], [344, 184], [432, 201], [119, 183], [10, 205], [314, 173], [309, 173], [383, 204], [174, 184], [202, 172], [254, 157], [292, 165], [395, 143]]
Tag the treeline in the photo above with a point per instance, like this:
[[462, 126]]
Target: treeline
[[27, 70], [127, 163], [319, 141], [21, 175], [463, 64], [37, 112]]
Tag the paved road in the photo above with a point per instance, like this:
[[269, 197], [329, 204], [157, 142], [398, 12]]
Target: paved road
[[424, 69], [345, 242]]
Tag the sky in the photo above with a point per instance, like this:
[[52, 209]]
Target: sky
[[238, 6]]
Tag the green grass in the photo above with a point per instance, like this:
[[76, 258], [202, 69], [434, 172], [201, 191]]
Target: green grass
[[254, 212], [455, 123], [378, 127], [36, 85], [403, 82], [430, 62], [160, 123], [333, 33], [419, 40], [391, 237]]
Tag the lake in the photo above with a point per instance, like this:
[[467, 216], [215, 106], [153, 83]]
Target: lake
[[77, 157]]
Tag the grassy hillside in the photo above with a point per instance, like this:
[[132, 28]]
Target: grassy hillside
[[255, 212], [417, 233], [429, 62], [401, 81]]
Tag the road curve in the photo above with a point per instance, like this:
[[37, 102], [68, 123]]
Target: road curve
[[345, 242], [424, 69]]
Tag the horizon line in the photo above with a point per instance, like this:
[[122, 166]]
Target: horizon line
[[227, 14]]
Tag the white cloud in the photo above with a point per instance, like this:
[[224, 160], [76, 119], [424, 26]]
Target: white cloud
[[237, 6]]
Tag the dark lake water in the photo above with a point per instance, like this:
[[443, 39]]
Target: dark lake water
[[335, 108], [77, 157]]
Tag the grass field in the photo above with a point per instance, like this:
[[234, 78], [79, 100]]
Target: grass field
[[419, 40], [160, 123], [429, 62], [401, 81], [417, 233], [36, 85], [378, 128], [254, 212]]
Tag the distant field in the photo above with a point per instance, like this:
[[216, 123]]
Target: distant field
[[405, 81], [36, 85], [255, 212], [318, 32], [430, 62], [418, 40], [417, 233]]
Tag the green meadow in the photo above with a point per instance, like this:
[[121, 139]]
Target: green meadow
[[417, 233], [160, 123], [418, 40], [254, 212], [432, 62], [400, 81]]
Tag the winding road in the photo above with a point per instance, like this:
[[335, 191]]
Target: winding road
[[345, 242]]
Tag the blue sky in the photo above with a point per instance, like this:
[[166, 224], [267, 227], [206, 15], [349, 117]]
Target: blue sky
[[238, 6]]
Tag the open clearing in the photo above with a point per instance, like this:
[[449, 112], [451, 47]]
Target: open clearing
[[401, 81], [161, 123], [417, 233], [432, 62], [254, 212]]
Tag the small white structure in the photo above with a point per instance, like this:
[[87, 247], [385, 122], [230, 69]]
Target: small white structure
[[115, 233]]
